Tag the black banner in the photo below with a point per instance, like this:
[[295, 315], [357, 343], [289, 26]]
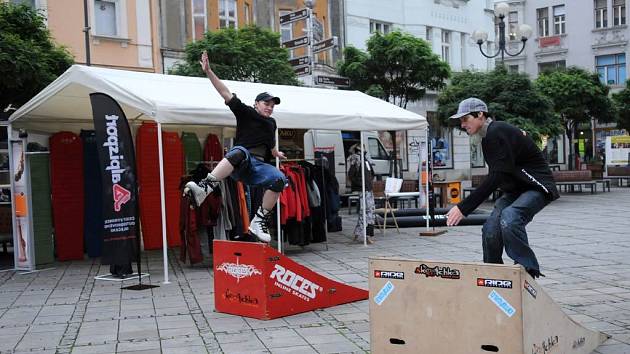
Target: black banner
[[117, 162]]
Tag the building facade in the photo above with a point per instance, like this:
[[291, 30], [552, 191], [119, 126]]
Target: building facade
[[590, 34], [123, 33], [447, 25], [187, 21]]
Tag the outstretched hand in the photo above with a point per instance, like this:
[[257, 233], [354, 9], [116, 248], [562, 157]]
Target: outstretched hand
[[204, 62]]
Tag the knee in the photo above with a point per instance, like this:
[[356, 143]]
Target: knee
[[490, 228], [235, 157], [510, 218], [278, 184]]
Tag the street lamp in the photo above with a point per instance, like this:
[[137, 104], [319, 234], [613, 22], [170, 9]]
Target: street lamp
[[501, 10]]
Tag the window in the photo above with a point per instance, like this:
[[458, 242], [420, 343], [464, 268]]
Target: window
[[476, 154], [227, 14], [286, 30], [513, 25], [441, 142], [551, 66], [611, 68], [513, 68], [247, 14], [29, 3], [446, 46], [380, 27], [554, 150], [106, 13], [377, 151], [429, 34], [619, 12], [542, 18], [601, 14], [462, 45], [199, 19], [559, 20]]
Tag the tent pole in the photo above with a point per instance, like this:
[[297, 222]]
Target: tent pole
[[363, 202], [278, 201], [428, 156], [162, 202]]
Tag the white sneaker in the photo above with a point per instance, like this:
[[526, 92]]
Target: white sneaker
[[199, 191], [259, 225]]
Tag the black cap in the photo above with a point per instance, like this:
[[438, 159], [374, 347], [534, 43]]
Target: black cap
[[266, 96]]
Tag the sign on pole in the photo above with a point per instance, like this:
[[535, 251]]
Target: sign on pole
[[297, 42], [332, 81], [299, 61], [324, 45], [294, 16], [318, 30], [303, 70]]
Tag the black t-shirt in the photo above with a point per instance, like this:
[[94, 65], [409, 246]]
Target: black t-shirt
[[515, 165], [252, 129]]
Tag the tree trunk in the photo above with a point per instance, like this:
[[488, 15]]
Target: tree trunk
[[569, 126]]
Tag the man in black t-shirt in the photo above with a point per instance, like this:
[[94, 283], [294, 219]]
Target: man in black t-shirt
[[248, 161], [518, 168]]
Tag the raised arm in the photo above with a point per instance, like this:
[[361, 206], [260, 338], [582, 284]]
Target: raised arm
[[214, 79]]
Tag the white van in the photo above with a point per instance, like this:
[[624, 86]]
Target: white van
[[334, 145]]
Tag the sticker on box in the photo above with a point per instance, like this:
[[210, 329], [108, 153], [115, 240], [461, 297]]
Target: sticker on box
[[384, 293], [502, 303]]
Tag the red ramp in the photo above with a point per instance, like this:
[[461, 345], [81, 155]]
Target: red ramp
[[255, 280]]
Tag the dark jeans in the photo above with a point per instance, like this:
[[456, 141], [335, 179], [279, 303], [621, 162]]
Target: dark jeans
[[506, 228], [254, 172]]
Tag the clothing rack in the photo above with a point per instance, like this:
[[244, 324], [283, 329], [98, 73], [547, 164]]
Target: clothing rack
[[323, 193]]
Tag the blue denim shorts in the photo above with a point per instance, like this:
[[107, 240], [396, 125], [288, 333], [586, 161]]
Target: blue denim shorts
[[254, 172]]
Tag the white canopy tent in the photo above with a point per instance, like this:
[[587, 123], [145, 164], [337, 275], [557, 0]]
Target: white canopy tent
[[178, 102]]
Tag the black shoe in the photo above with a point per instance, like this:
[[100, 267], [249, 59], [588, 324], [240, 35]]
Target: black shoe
[[534, 273]]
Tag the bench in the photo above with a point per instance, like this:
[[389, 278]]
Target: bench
[[573, 181], [618, 174]]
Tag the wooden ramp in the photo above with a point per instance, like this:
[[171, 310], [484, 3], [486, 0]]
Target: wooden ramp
[[464, 308]]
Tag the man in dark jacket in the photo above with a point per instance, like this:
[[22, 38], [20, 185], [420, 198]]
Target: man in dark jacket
[[516, 166]]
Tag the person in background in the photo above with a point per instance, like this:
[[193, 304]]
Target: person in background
[[354, 173]]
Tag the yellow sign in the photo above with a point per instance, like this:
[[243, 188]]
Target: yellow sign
[[620, 139]]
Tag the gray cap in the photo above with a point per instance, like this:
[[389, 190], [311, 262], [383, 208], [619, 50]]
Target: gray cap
[[468, 106]]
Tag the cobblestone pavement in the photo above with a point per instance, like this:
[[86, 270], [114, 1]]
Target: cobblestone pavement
[[582, 242]]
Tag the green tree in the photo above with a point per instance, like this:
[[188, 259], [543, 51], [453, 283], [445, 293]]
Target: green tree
[[398, 68], [246, 54], [511, 97], [29, 58], [577, 96], [621, 100]]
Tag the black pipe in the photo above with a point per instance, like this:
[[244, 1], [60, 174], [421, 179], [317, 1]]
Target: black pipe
[[439, 220], [86, 30], [418, 212]]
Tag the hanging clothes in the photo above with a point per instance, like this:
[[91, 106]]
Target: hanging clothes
[[212, 150], [301, 206], [188, 227]]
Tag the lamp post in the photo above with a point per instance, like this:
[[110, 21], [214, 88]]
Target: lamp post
[[501, 10], [310, 4]]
